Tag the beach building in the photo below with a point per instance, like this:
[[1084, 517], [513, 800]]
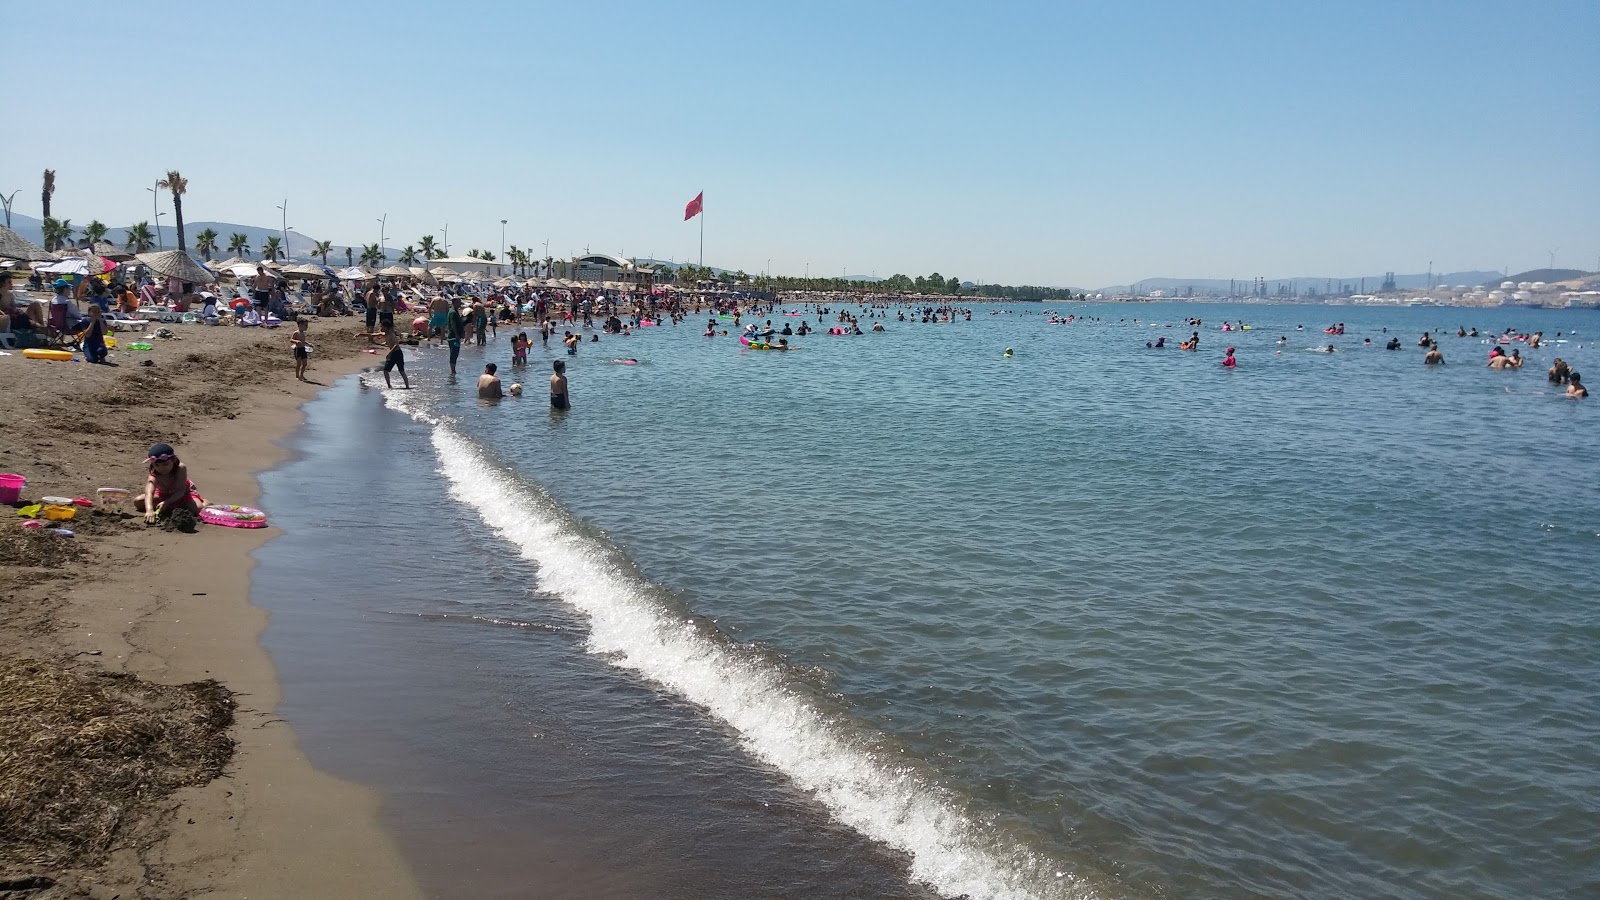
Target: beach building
[[461, 265], [603, 267]]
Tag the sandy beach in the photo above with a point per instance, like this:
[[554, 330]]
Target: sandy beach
[[153, 610]]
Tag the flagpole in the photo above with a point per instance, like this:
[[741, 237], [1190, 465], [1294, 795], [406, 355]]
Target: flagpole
[[702, 230]]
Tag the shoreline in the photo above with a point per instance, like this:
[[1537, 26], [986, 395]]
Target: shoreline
[[176, 608]]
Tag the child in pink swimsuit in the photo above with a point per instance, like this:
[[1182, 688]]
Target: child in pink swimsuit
[[168, 487]]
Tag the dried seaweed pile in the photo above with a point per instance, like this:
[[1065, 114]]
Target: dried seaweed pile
[[82, 752]]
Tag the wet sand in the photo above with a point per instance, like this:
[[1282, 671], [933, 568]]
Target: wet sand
[[174, 608]]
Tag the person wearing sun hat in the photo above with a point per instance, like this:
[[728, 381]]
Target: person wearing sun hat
[[168, 486]]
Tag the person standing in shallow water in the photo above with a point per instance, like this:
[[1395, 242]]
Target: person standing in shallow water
[[455, 329], [558, 386], [1434, 357]]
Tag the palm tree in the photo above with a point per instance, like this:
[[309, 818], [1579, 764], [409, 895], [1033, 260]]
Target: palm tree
[[94, 232], [408, 256], [549, 266], [206, 242], [426, 246], [139, 238], [349, 256], [272, 249], [179, 186], [371, 254], [49, 188], [239, 244], [322, 249], [438, 253], [55, 233]]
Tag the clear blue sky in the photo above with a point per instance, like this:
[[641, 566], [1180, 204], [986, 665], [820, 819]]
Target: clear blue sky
[[1056, 143]]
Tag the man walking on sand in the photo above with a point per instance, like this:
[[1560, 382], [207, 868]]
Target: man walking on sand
[[261, 289]]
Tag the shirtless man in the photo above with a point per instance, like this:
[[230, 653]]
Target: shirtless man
[[372, 299], [396, 359], [489, 384], [558, 386], [261, 289], [1575, 388], [1434, 357], [438, 316]]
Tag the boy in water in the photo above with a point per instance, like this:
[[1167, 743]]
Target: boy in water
[[558, 386], [489, 383], [395, 360], [302, 350]]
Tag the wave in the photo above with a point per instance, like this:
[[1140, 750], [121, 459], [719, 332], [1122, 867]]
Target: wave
[[639, 626]]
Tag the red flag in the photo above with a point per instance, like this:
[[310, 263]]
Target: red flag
[[695, 206]]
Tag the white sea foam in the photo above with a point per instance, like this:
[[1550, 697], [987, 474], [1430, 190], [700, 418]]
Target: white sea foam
[[886, 801]]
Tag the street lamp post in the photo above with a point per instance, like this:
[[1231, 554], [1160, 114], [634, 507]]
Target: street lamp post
[[7, 202], [155, 212], [383, 224], [502, 256], [447, 239], [285, 210]]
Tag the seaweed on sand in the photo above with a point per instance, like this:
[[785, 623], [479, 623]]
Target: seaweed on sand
[[82, 752]]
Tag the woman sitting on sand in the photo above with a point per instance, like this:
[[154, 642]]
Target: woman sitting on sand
[[168, 486]]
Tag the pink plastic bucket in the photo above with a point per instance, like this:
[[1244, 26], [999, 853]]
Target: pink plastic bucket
[[11, 487]]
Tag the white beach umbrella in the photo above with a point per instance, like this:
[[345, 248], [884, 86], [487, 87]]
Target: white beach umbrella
[[354, 273]]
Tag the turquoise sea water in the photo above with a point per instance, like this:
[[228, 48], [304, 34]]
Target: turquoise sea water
[[1094, 620]]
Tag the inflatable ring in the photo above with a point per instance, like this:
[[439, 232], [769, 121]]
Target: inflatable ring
[[233, 516], [37, 353]]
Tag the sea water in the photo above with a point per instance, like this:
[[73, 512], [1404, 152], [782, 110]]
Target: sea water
[[1092, 620]]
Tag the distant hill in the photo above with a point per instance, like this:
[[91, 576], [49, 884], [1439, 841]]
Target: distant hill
[[1546, 275], [1304, 283], [299, 245]]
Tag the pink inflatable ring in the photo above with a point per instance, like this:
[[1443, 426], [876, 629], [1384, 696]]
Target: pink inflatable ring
[[233, 516]]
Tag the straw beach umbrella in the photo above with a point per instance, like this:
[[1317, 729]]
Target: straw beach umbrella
[[15, 246], [177, 264], [395, 272]]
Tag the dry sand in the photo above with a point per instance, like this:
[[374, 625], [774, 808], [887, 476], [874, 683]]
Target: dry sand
[[174, 609]]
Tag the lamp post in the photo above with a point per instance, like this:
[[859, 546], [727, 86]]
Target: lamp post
[[7, 202], [447, 239], [285, 210], [383, 224], [502, 256], [155, 212]]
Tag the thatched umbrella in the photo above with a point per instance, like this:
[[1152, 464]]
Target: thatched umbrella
[[441, 271], [422, 275], [111, 251], [395, 272], [308, 270], [15, 246], [177, 264]]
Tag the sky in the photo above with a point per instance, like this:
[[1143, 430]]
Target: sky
[[1065, 143]]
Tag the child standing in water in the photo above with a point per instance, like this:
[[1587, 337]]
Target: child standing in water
[[302, 350]]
